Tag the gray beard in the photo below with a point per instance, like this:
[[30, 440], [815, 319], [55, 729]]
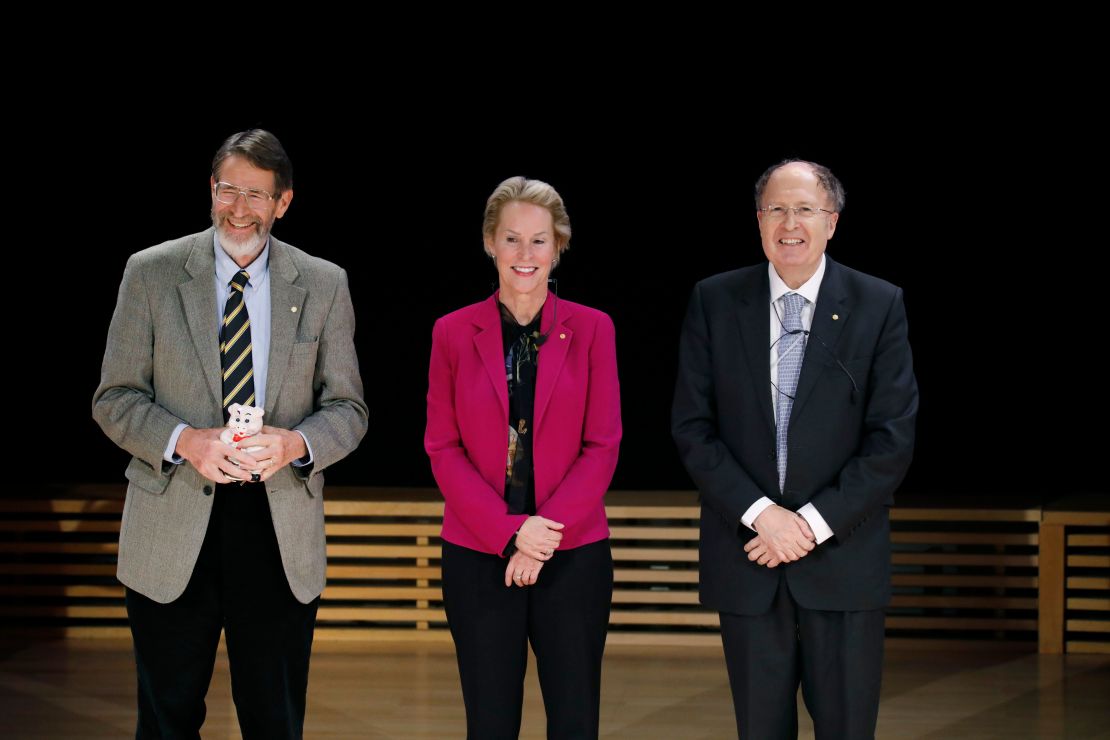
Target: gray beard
[[236, 250]]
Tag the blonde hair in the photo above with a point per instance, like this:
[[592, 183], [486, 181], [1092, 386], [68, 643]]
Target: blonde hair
[[537, 193]]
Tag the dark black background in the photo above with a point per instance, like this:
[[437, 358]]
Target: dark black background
[[948, 197]]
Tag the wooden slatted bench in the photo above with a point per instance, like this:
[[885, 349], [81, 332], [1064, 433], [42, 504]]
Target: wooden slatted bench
[[1075, 574], [960, 572]]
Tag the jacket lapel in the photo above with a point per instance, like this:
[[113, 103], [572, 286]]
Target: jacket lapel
[[198, 295], [284, 298], [487, 341], [831, 301], [553, 353], [753, 301]]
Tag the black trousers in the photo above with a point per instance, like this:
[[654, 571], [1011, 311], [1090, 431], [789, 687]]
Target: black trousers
[[836, 656], [238, 586], [565, 616]]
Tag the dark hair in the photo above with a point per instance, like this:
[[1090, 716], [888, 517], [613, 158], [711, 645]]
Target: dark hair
[[825, 178], [263, 150]]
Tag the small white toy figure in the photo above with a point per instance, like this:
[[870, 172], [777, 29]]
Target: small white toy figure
[[244, 422]]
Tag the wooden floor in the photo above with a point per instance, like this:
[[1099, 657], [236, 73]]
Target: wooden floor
[[85, 688]]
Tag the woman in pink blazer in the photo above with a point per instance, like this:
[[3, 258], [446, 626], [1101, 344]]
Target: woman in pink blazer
[[523, 433]]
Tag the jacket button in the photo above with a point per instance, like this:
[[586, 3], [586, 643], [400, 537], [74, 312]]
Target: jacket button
[[207, 490]]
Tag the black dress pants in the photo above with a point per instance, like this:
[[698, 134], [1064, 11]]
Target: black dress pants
[[238, 586], [837, 657], [564, 615]]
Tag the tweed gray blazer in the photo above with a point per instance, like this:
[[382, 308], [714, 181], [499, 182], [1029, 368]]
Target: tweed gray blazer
[[162, 367]]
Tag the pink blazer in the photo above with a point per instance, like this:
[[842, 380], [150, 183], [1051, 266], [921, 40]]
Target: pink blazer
[[576, 423]]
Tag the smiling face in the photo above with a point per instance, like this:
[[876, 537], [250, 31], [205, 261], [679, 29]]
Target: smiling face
[[243, 230], [794, 246], [523, 249]]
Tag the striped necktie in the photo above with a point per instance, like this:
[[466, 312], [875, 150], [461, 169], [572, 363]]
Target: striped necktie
[[235, 346]]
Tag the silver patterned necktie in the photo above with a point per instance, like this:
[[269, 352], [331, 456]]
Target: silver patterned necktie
[[791, 349]]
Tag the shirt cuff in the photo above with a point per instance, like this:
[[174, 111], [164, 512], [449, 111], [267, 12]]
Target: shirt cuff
[[816, 522], [753, 512], [169, 455], [307, 459]]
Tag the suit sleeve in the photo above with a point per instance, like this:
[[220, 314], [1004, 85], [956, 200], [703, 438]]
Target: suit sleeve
[[724, 484], [589, 476], [124, 403], [868, 480], [479, 507], [339, 421]]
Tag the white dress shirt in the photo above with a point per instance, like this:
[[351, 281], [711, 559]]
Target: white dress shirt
[[776, 310]]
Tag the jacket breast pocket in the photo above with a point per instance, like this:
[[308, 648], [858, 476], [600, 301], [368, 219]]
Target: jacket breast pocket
[[305, 348], [300, 384], [302, 358]]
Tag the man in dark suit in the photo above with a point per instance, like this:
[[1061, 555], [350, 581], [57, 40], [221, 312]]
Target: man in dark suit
[[216, 538], [794, 414]]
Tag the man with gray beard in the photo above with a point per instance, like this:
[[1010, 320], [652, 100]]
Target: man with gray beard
[[227, 537]]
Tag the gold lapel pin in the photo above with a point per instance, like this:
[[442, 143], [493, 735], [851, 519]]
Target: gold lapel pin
[[835, 317]]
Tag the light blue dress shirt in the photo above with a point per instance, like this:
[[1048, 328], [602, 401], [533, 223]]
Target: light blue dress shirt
[[257, 297]]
